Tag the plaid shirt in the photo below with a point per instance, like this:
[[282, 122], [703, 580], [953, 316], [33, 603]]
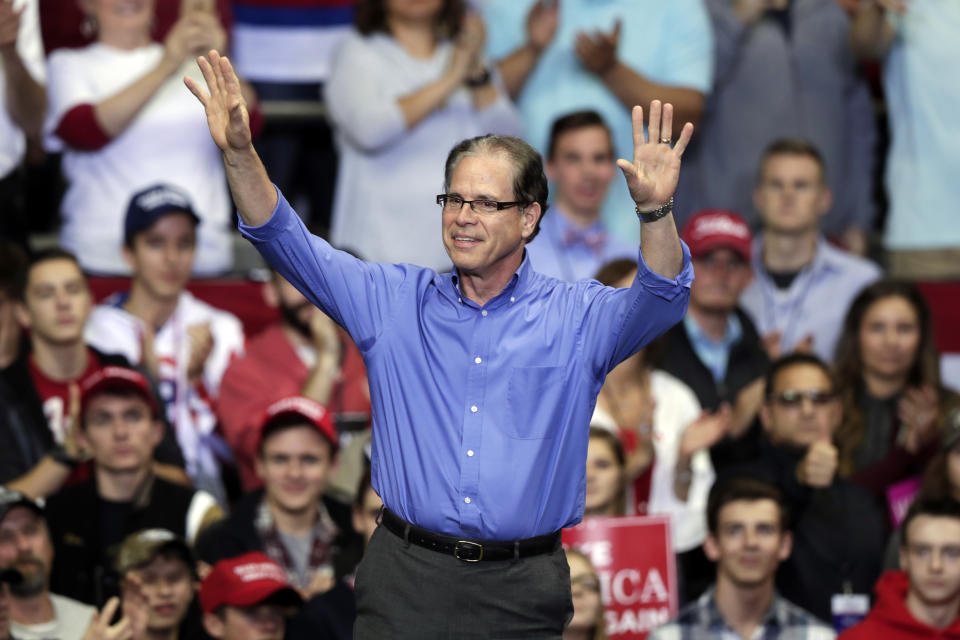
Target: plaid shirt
[[701, 620]]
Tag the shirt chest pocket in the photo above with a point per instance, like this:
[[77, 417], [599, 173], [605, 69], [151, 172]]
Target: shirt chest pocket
[[533, 400]]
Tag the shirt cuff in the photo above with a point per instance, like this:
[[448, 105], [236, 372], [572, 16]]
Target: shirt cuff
[[666, 288], [271, 228]]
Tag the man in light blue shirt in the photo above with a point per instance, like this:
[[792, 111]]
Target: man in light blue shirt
[[573, 242], [482, 380], [606, 55], [802, 285]]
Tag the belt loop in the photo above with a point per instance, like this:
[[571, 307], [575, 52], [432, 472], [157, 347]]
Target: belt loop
[[516, 550], [406, 534]]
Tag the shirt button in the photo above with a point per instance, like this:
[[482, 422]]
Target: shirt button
[[512, 299], [478, 359], [467, 500], [484, 313], [470, 453], [474, 409], [459, 299]]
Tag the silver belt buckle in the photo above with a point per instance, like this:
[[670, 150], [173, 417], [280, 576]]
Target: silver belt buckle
[[467, 544]]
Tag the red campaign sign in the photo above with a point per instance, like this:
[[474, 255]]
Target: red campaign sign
[[634, 560]]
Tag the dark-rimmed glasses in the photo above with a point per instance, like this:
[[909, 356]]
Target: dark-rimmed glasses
[[793, 398], [455, 203]]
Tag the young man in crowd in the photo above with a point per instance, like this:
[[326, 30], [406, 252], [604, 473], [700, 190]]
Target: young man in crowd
[[839, 530], [749, 537], [291, 520], [120, 423], [716, 350], [40, 450], [159, 580], [305, 354], [573, 242], [185, 344], [247, 598], [25, 545], [923, 599], [802, 285]]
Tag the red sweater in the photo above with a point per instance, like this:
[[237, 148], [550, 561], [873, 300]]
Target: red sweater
[[890, 619]]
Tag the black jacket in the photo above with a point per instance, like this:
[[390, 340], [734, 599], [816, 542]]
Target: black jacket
[[83, 562], [326, 616], [839, 533], [24, 434], [674, 353]]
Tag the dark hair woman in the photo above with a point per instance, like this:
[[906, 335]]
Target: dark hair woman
[[887, 371]]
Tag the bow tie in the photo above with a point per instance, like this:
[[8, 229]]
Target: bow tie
[[595, 240]]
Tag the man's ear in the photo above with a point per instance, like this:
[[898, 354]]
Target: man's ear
[[786, 546], [22, 316], [711, 549], [128, 255], [824, 200], [549, 169], [214, 625], [531, 215]]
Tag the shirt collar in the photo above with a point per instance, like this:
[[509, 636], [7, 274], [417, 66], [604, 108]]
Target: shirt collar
[[824, 257], [731, 335], [449, 285], [777, 615]]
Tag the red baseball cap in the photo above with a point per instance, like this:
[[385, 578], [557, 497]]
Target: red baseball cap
[[121, 378], [309, 410], [711, 229], [245, 581]]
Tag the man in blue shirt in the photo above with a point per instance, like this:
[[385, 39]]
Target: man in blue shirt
[[574, 242], [482, 380]]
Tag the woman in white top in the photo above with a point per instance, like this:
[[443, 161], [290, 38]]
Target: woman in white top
[[120, 113], [407, 86]]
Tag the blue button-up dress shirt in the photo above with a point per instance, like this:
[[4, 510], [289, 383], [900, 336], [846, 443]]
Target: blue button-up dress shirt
[[480, 414]]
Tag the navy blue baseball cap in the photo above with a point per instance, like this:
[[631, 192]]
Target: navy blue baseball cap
[[151, 204]]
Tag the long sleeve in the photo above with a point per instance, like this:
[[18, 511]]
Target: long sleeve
[[362, 108]]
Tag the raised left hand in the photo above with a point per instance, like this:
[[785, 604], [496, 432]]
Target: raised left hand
[[9, 26], [653, 174], [918, 409]]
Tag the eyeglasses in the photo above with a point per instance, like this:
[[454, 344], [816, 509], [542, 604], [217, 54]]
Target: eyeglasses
[[587, 583], [793, 398], [455, 203]]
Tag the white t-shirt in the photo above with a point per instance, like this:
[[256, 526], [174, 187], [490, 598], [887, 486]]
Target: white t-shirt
[[676, 407], [168, 141], [70, 621], [30, 50], [388, 178], [112, 329]]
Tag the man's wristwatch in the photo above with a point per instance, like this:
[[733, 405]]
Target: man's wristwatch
[[480, 80], [656, 214]]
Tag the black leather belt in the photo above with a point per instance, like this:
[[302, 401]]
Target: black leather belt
[[466, 549]]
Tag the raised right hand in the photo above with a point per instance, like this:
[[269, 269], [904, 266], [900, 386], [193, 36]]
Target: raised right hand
[[226, 110], [542, 22], [819, 466], [9, 26], [100, 627]]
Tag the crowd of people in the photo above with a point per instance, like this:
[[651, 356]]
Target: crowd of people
[[165, 474]]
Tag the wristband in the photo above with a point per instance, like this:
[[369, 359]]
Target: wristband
[[59, 454], [652, 216], [479, 80]]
